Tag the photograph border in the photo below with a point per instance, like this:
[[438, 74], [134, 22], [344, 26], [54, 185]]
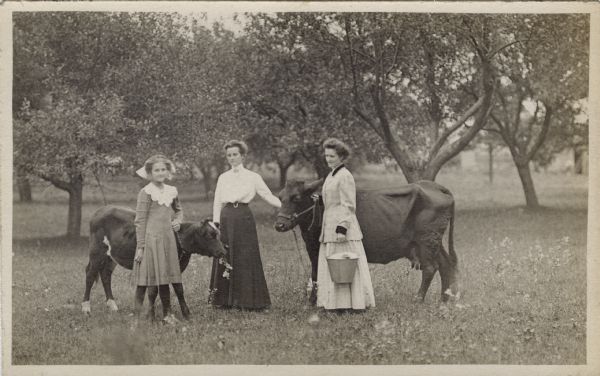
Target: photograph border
[[593, 232]]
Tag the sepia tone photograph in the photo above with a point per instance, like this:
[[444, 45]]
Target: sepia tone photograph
[[228, 186]]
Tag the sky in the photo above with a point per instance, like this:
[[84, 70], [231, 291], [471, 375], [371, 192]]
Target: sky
[[227, 18]]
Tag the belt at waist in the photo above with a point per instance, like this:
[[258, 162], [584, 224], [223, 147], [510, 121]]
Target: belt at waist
[[235, 204]]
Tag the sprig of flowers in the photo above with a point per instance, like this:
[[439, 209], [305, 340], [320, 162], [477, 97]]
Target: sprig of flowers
[[228, 268]]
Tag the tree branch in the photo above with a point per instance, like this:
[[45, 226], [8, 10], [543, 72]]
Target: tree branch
[[530, 123], [394, 60], [492, 130], [517, 119], [442, 139], [544, 132], [504, 133], [474, 41], [383, 120], [503, 47], [58, 183], [368, 120]]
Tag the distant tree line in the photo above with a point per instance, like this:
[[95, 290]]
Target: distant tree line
[[94, 93]]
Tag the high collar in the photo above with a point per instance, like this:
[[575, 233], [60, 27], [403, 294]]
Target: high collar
[[335, 170], [238, 169]]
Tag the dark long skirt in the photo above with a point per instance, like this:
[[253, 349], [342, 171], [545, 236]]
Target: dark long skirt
[[246, 287]]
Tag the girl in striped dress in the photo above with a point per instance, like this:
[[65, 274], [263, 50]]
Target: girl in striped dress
[[158, 214]]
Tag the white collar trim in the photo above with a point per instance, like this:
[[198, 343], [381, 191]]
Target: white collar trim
[[239, 168], [164, 197]]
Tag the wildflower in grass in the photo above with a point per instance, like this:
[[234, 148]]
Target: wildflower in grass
[[310, 285], [444, 311], [211, 295], [313, 319], [506, 243], [385, 327]]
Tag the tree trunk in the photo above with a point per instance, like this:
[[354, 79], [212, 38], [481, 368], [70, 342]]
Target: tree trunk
[[24, 188], [527, 183], [421, 171], [491, 162], [284, 167], [282, 175], [75, 204], [321, 167], [578, 160], [427, 174], [220, 165], [206, 178], [283, 170]]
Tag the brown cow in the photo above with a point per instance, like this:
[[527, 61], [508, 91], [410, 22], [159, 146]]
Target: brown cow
[[405, 222]]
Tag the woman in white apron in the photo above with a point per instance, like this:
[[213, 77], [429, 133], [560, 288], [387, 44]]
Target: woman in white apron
[[341, 233]]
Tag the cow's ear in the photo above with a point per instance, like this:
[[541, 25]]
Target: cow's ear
[[311, 187], [204, 226]]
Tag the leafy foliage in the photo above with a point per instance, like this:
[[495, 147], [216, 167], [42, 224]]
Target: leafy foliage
[[543, 73], [389, 73]]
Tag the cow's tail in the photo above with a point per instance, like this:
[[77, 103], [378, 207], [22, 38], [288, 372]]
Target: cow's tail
[[451, 251]]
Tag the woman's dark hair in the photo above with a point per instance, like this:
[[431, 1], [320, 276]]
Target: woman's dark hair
[[150, 162], [241, 145], [339, 146]]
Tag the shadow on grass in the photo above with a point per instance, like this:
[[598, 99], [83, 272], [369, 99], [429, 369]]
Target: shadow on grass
[[53, 242], [522, 209]]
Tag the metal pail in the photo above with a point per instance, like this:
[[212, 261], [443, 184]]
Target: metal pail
[[342, 268]]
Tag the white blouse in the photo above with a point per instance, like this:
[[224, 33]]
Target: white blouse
[[240, 185]]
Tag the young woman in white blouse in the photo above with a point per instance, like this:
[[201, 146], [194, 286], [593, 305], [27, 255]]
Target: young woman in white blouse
[[244, 286]]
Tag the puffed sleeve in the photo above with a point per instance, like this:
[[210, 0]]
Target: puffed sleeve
[[264, 191], [141, 216], [347, 199], [218, 201], [176, 206]]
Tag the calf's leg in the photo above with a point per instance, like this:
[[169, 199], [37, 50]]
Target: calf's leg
[[91, 275], [140, 292], [185, 311], [165, 298], [152, 294], [106, 276], [92, 270]]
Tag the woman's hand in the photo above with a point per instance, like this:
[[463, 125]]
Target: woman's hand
[[340, 233], [176, 226], [315, 196], [139, 253]]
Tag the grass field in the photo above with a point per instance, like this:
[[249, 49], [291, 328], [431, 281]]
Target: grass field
[[523, 284]]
